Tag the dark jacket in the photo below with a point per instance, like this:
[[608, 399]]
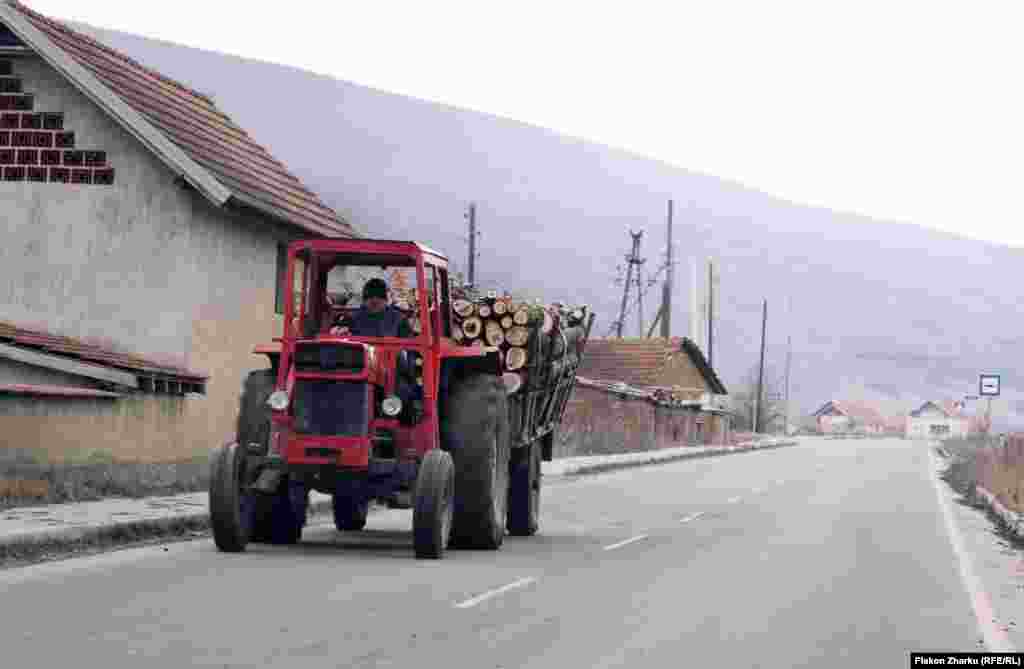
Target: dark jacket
[[388, 323]]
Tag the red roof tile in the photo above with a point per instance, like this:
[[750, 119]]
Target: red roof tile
[[192, 122], [641, 362], [66, 346]]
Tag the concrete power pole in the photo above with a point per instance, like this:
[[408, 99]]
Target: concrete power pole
[[711, 314], [760, 373], [472, 244], [666, 298], [789, 362]]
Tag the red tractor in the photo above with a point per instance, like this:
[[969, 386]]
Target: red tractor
[[416, 421]]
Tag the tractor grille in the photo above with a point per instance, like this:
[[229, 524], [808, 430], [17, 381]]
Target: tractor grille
[[328, 358], [331, 408]]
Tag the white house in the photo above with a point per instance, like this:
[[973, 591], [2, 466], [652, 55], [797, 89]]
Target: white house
[[939, 420]]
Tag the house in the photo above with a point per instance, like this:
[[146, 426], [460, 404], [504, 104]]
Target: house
[[643, 394], [946, 419], [850, 416], [142, 256]]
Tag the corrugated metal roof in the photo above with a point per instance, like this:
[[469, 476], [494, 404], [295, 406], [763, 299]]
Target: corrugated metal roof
[[54, 391], [74, 348], [194, 123]]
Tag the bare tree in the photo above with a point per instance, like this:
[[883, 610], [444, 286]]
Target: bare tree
[[773, 404]]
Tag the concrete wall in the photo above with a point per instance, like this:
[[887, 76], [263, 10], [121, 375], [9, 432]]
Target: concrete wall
[[949, 428], [142, 266]]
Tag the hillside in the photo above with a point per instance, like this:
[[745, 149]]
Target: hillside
[[879, 310]]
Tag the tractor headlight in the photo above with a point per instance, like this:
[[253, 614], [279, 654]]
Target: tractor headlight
[[391, 406], [278, 400]]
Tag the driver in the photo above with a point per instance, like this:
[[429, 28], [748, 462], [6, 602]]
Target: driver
[[376, 318]]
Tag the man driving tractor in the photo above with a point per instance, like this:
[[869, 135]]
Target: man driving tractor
[[376, 317]]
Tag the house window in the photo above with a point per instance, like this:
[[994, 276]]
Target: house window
[[279, 278]]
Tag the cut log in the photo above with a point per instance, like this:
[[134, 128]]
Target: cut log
[[549, 322], [463, 308], [507, 322], [518, 336], [494, 334], [521, 316], [500, 307], [484, 311], [515, 358], [513, 381], [472, 327]]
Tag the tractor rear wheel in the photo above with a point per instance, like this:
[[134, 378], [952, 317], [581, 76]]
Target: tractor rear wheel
[[476, 433], [350, 507], [283, 514], [524, 491], [230, 510], [254, 428], [433, 506]]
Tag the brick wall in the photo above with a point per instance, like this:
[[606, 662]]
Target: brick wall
[[598, 422]]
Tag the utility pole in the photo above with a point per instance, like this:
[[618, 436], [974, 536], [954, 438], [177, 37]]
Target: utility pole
[[472, 244], [760, 373], [639, 295], [633, 258], [666, 298], [789, 361], [711, 313]]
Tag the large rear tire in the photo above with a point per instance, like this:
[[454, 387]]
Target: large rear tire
[[475, 432], [254, 428], [285, 512], [524, 491], [350, 507], [230, 516], [433, 506]]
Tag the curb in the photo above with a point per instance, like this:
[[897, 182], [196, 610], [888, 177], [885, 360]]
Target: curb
[[598, 468], [68, 540]]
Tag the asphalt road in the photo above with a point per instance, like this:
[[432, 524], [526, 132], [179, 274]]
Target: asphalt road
[[830, 553]]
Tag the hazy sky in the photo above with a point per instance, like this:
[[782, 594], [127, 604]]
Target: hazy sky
[[900, 110]]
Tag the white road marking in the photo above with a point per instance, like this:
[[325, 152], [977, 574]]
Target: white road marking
[[473, 601], [631, 540], [733, 500], [692, 516], [756, 491], [996, 640]]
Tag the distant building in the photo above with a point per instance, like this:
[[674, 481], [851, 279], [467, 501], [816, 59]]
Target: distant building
[[643, 394], [944, 420], [848, 416], [142, 255]]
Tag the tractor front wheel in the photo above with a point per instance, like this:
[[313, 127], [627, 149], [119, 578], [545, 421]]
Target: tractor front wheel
[[230, 513], [434, 504]]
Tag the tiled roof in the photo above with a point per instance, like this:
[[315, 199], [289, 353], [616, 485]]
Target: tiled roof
[[641, 362], [866, 412], [192, 122], [74, 348]]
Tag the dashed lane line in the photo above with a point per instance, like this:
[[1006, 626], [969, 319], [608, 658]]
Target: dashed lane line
[[490, 594], [631, 540]]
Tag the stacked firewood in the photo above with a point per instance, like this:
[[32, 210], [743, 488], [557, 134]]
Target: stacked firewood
[[536, 342]]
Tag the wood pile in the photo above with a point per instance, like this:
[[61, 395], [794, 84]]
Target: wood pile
[[537, 343]]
